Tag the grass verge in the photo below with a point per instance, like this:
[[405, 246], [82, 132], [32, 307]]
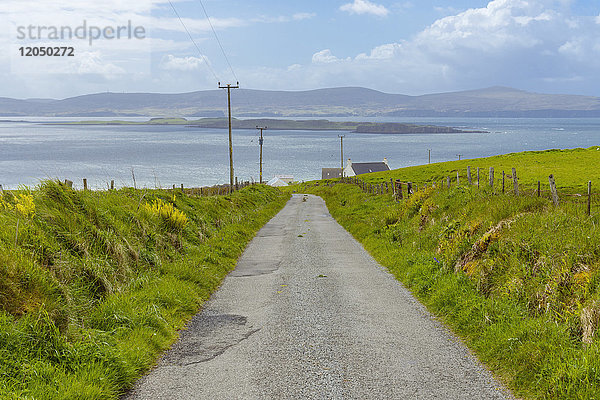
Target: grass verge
[[516, 277], [95, 285]]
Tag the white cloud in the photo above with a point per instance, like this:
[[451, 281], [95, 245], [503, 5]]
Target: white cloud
[[303, 16], [193, 25], [525, 44], [284, 18], [365, 7], [89, 7], [93, 62], [383, 52], [172, 63], [326, 57]]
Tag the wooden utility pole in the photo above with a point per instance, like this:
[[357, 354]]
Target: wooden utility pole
[[229, 87], [260, 142], [342, 150]]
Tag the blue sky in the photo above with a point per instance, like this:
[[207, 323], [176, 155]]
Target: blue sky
[[411, 47]]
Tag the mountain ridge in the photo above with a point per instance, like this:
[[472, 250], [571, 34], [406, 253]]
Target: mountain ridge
[[495, 101]]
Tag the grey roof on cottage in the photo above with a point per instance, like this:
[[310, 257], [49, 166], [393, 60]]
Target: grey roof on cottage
[[365, 168], [331, 173]]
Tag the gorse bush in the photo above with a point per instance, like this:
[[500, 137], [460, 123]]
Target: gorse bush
[[22, 203], [97, 284], [173, 218]]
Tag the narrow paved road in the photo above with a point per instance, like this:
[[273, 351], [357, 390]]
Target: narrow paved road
[[308, 314]]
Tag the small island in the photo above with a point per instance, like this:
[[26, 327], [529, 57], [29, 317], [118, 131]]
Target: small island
[[389, 128]]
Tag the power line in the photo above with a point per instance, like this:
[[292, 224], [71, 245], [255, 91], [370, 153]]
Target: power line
[[218, 41], [193, 41]]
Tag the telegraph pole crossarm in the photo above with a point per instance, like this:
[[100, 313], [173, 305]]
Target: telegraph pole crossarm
[[260, 142], [229, 87]]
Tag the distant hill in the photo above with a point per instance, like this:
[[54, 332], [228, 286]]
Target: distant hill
[[349, 101]]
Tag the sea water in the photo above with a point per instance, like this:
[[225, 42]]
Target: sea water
[[160, 156]]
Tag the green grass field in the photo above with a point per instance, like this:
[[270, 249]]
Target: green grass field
[[95, 285], [572, 169], [516, 277]]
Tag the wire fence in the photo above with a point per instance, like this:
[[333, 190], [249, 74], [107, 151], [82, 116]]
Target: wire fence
[[502, 183], [217, 190]]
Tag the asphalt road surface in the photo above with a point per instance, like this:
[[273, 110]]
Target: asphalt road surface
[[308, 314]]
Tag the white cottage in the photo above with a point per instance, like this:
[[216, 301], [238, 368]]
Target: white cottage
[[353, 169]]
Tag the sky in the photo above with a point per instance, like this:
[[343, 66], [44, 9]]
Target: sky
[[409, 47]]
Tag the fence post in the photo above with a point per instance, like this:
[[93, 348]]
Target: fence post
[[515, 181], [448, 181], [382, 188], [469, 175], [409, 188], [477, 177], [68, 183], [398, 189], [553, 190], [539, 192], [112, 185], [492, 177], [236, 183], [457, 178], [182, 191], [589, 208], [84, 184]]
